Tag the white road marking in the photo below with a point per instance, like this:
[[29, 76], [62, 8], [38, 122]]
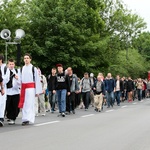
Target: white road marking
[[46, 123], [87, 115], [134, 103], [109, 110], [124, 106]]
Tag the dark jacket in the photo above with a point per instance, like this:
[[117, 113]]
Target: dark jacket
[[51, 82], [102, 87], [129, 85], [121, 85], [109, 85]]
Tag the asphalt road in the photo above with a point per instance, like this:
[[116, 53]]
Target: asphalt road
[[125, 127]]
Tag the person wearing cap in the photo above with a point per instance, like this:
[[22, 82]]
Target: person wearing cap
[[5, 73], [62, 89]]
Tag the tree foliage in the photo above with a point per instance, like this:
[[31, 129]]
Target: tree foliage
[[88, 35], [142, 44], [135, 65]]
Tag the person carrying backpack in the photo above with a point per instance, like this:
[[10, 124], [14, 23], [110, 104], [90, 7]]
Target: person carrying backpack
[[85, 85], [30, 87], [13, 93]]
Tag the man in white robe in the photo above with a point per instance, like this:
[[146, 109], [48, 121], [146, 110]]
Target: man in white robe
[[5, 75], [13, 93], [30, 87]]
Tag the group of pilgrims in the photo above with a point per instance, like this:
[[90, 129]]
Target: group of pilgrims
[[24, 90]]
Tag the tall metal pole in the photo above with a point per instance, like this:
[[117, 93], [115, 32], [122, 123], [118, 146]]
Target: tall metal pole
[[18, 54], [6, 45]]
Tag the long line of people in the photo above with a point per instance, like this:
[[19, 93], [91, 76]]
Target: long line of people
[[26, 89], [108, 91]]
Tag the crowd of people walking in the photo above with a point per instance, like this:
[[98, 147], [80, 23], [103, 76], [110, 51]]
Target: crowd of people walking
[[26, 89]]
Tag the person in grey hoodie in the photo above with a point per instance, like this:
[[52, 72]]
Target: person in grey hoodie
[[86, 85], [74, 88]]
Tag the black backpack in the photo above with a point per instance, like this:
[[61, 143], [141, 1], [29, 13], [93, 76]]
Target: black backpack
[[32, 72]]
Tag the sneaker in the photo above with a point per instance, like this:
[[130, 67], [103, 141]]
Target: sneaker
[[99, 110], [1, 123], [43, 114], [96, 109], [59, 115], [67, 113], [11, 122], [63, 114], [25, 123], [73, 112], [86, 109], [48, 110]]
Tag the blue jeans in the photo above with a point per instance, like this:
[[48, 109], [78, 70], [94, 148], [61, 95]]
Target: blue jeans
[[110, 98], [52, 99], [117, 96], [139, 94], [61, 94]]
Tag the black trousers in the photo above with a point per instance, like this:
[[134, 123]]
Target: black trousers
[[70, 102], [77, 99], [12, 109], [86, 99]]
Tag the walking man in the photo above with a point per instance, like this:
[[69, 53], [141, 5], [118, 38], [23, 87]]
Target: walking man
[[99, 89], [86, 86], [13, 93], [110, 89], [63, 89], [51, 80], [119, 88], [74, 88], [30, 87], [40, 100]]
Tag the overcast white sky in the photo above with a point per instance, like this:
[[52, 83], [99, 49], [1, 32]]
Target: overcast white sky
[[142, 8]]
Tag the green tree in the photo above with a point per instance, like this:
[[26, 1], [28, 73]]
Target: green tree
[[88, 35], [12, 17], [121, 25], [142, 44], [67, 32], [135, 66]]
